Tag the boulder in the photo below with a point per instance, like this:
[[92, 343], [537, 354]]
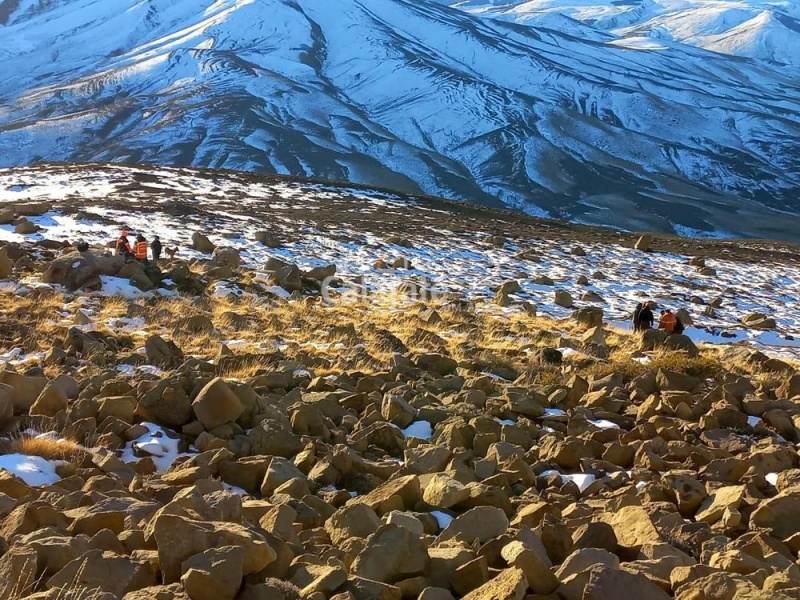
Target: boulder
[[632, 526], [226, 256], [357, 520], [166, 404], [6, 266], [443, 491], [74, 271], [436, 363], [24, 390], [481, 524], [50, 402], [391, 553], [536, 571], [17, 572], [214, 574], [779, 514], [682, 343], [289, 278], [217, 404], [605, 583], [759, 321], [562, 298], [589, 316], [643, 243], [273, 438], [201, 243], [162, 353], [510, 584], [7, 216], [25, 226], [268, 239], [178, 539], [104, 571], [320, 273]]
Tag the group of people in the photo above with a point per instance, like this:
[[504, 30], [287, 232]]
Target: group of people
[[644, 318], [138, 250]]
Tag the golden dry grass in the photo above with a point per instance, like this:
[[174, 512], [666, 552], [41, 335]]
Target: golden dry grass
[[47, 448]]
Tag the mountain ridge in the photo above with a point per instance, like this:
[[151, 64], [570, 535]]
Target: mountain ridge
[[571, 128]]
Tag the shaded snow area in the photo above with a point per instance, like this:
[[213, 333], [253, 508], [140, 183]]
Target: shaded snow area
[[462, 263], [33, 470]]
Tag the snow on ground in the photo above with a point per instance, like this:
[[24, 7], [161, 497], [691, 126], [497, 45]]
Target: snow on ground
[[159, 443], [33, 470], [460, 263]]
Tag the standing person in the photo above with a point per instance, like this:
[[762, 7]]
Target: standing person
[[636, 312], [141, 247], [646, 317], [123, 245], [668, 321], [156, 248]]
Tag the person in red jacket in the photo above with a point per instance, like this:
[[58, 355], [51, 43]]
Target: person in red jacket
[[123, 245], [668, 321]]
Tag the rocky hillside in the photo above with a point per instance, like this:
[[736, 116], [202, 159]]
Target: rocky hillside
[[317, 396]]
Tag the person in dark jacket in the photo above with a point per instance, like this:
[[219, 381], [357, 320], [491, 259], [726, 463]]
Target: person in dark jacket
[[646, 317], [636, 312], [156, 248]]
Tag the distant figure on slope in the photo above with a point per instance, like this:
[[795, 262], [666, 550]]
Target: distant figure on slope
[[141, 247], [156, 248], [124, 246], [636, 312], [646, 317]]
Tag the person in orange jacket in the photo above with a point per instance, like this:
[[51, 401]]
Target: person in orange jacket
[[123, 245], [668, 321], [140, 249]]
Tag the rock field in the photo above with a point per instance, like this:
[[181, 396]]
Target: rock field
[[242, 422]]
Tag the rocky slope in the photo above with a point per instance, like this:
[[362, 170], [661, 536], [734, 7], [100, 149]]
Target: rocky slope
[[577, 123], [241, 421]]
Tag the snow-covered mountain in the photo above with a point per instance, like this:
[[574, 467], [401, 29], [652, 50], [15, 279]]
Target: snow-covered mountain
[[558, 117]]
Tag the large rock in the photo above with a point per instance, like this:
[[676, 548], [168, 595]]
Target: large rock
[[321, 273], [589, 316], [437, 363], [481, 524], [443, 491], [680, 342], [562, 298], [74, 271], [162, 353], [215, 574], [17, 573], [606, 584], [6, 266], [226, 256], [537, 571], [25, 390], [354, 521], [390, 554], [166, 404], [779, 514], [632, 526], [178, 539], [50, 402], [105, 571], [289, 278], [510, 584], [217, 404], [272, 438], [643, 243], [383, 498], [201, 243], [759, 321]]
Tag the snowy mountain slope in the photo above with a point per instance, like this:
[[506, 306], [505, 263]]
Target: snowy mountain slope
[[411, 95], [760, 29], [448, 245]]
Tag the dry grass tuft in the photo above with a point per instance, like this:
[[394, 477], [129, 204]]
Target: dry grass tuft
[[47, 448]]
